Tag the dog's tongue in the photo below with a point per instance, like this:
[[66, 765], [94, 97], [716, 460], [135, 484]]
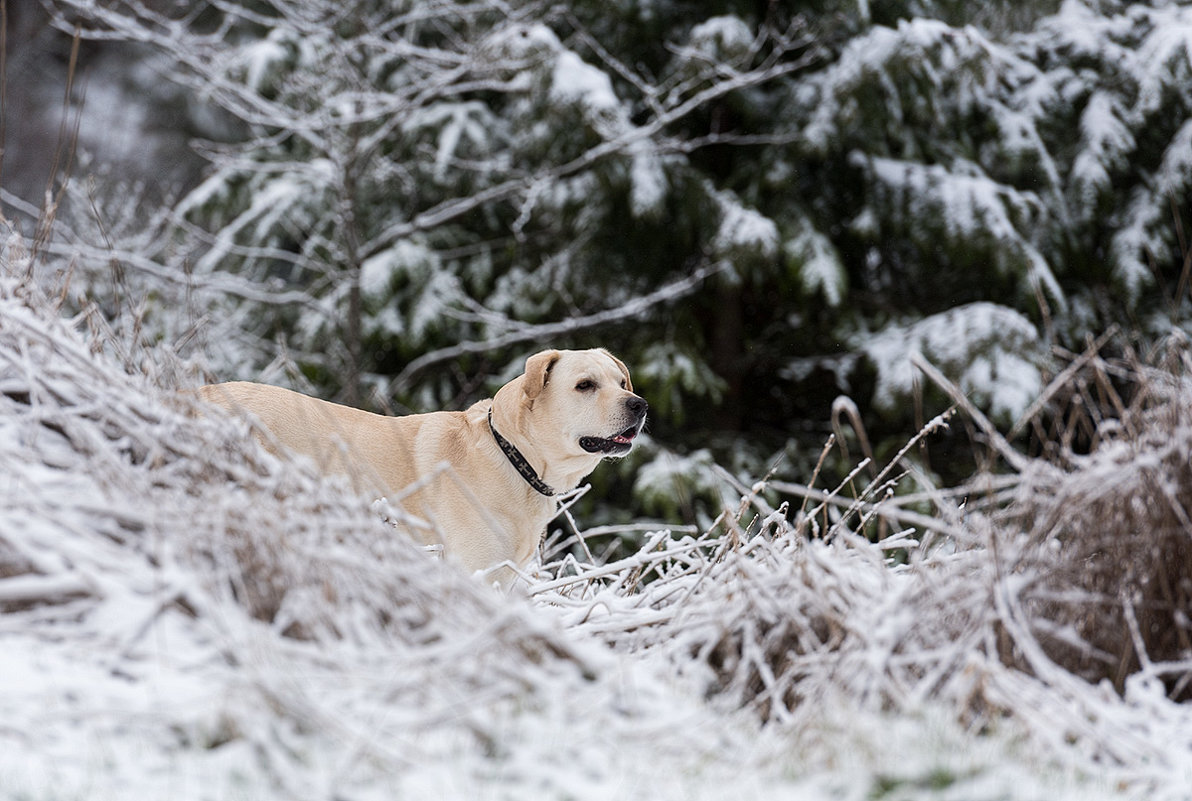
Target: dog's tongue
[[625, 437]]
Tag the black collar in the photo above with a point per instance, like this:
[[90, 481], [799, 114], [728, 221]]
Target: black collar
[[518, 461]]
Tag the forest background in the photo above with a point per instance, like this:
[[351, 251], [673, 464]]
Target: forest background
[[764, 208]]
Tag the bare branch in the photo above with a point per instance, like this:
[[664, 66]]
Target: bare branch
[[533, 333]]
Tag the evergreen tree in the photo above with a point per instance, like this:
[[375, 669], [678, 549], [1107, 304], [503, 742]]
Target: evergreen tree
[[760, 209]]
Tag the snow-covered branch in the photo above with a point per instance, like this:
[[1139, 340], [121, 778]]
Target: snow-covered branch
[[544, 332]]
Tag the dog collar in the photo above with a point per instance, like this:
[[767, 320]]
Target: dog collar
[[518, 461]]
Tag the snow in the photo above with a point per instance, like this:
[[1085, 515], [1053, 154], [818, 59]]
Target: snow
[[743, 229], [648, 184], [1175, 171], [261, 59], [991, 352], [1149, 48], [1133, 244], [200, 619], [575, 80], [970, 206], [1163, 61], [457, 123], [109, 123], [663, 477], [1139, 235], [280, 203], [1106, 142], [439, 294], [721, 38], [523, 41], [406, 258], [818, 264], [1123, 74]]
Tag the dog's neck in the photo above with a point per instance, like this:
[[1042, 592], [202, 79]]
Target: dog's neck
[[519, 462], [562, 473], [559, 474]]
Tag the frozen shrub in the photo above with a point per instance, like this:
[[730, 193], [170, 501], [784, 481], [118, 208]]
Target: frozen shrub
[[96, 460], [1110, 563]]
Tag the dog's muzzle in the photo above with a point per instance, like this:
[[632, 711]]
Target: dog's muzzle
[[620, 444]]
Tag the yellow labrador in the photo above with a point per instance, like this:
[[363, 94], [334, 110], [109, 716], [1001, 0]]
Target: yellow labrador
[[485, 478]]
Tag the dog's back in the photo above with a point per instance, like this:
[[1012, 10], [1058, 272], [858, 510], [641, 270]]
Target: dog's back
[[338, 438]]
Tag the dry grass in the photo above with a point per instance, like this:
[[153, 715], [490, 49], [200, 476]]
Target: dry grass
[[1113, 528], [1017, 595], [107, 473]]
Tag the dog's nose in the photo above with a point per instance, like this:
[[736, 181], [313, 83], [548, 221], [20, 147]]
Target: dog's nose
[[637, 406]]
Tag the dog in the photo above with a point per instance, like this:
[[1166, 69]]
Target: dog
[[485, 479]]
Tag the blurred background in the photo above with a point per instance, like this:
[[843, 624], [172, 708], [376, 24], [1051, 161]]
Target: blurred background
[[766, 208]]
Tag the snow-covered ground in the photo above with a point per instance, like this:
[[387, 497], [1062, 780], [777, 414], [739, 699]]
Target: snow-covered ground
[[184, 616]]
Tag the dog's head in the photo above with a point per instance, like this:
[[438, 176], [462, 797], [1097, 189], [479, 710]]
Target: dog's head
[[579, 403]]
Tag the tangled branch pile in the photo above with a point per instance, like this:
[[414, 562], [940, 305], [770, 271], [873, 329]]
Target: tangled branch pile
[[215, 621], [1116, 603], [206, 618], [1057, 593]]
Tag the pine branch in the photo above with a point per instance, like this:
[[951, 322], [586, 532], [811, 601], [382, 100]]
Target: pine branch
[[543, 332]]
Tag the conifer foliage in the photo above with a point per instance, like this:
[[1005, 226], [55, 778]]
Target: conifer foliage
[[761, 210]]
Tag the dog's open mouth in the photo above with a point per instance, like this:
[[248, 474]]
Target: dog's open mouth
[[617, 444]]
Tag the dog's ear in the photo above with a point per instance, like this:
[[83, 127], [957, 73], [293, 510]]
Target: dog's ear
[[538, 369], [624, 369]]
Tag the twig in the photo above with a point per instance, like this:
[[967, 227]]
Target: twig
[[1060, 381], [881, 508], [530, 333], [999, 443], [35, 588]]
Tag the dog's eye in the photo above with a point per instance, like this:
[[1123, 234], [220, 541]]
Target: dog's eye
[[586, 385], [622, 383]]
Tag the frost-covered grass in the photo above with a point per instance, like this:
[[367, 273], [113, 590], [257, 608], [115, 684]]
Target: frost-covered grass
[[185, 616]]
